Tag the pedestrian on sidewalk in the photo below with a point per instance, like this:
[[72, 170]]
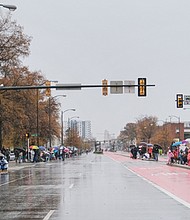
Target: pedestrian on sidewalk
[[16, 152], [155, 152], [188, 158], [170, 157]]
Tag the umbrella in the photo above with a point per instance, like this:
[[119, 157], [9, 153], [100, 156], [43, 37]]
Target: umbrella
[[55, 148], [34, 147], [157, 145], [20, 149], [62, 147], [66, 150], [42, 148], [149, 145], [143, 143], [185, 142], [176, 143]]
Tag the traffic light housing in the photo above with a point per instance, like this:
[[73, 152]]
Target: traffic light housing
[[105, 87], [179, 98], [48, 90], [27, 135], [141, 86]]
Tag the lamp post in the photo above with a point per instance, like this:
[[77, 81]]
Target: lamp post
[[49, 113], [10, 7], [173, 116], [62, 120]]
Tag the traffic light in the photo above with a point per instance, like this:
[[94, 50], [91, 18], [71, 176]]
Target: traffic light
[[48, 90], [105, 87], [141, 86], [179, 98], [27, 135]]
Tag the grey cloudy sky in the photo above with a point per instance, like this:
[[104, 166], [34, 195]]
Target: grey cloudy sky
[[85, 41]]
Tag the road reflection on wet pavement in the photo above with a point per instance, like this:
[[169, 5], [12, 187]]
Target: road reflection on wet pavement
[[90, 187]]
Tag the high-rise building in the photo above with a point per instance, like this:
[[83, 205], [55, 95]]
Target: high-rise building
[[84, 129]]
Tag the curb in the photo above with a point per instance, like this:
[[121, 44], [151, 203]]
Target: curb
[[174, 165]]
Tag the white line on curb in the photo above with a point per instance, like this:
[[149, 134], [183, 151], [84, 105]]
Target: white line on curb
[[71, 186], [49, 215]]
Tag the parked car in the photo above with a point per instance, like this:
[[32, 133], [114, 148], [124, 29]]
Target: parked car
[[12, 156]]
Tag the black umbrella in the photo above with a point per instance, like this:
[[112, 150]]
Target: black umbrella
[[157, 145], [21, 149]]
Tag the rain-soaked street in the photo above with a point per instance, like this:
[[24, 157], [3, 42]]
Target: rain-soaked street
[[94, 187]]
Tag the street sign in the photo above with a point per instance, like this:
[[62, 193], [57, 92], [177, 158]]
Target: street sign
[[130, 89], [34, 135], [115, 89], [69, 86], [186, 99]]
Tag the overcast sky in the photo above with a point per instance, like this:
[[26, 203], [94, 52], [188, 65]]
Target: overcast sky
[[85, 41]]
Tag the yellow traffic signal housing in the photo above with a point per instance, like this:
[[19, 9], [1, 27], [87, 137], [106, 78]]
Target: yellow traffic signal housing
[[141, 86], [105, 87], [48, 90], [179, 98]]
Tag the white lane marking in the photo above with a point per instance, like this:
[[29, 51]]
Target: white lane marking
[[161, 189], [158, 187], [71, 186], [16, 180], [49, 215]]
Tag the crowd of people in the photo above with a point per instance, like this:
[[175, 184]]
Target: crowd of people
[[43, 155], [178, 155], [37, 155], [145, 152], [175, 154]]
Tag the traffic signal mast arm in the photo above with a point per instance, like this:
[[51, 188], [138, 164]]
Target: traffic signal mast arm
[[65, 87]]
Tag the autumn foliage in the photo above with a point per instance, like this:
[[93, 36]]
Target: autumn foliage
[[19, 108]]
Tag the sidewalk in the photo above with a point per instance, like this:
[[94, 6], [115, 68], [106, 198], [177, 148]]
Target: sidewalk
[[161, 158], [17, 166]]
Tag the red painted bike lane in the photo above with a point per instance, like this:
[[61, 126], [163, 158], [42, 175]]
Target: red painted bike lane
[[174, 180]]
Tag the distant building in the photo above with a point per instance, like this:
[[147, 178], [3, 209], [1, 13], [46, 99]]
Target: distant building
[[84, 129], [186, 129], [176, 130]]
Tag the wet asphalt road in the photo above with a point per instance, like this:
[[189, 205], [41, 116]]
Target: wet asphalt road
[[89, 187]]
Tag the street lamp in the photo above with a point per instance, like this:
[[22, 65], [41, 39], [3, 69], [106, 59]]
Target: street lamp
[[10, 7], [50, 115], [62, 120], [173, 116]]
